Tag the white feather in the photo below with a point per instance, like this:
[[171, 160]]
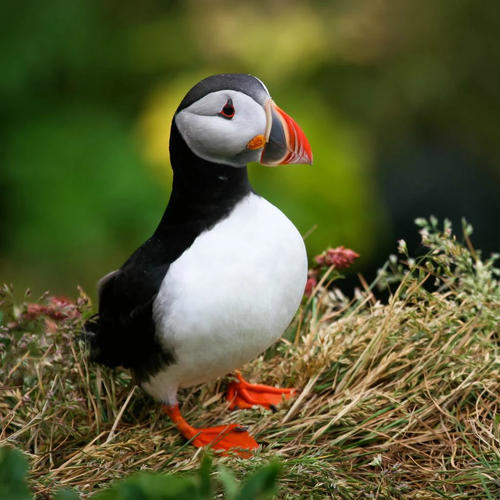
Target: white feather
[[218, 139], [229, 296]]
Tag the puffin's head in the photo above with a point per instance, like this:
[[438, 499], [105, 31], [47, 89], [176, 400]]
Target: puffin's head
[[231, 119]]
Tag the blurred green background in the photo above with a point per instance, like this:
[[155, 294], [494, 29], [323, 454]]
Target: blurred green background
[[399, 99]]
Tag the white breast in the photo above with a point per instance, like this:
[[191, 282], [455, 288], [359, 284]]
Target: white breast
[[230, 295]]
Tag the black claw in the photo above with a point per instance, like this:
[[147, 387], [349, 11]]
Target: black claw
[[273, 408]]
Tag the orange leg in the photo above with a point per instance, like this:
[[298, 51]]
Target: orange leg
[[223, 437], [242, 394]]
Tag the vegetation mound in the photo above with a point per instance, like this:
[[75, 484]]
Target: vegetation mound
[[397, 398]]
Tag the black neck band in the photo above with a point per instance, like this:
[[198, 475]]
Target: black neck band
[[202, 192]]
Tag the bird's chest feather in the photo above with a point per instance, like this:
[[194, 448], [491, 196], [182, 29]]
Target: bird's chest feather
[[235, 290]]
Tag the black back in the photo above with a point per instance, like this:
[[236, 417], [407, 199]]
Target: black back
[[203, 193]]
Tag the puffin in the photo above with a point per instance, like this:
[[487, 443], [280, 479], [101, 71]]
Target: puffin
[[224, 272]]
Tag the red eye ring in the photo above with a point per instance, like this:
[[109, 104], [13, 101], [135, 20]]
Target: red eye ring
[[228, 110]]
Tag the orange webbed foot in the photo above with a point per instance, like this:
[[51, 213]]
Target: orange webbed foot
[[223, 438], [242, 394]]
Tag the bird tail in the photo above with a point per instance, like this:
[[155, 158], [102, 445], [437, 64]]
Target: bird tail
[[90, 336]]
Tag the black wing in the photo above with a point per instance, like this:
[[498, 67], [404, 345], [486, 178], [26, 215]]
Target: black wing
[[123, 331]]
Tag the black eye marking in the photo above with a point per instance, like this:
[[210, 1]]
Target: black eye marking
[[228, 110]]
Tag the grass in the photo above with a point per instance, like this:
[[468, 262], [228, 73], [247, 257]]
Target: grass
[[398, 399]]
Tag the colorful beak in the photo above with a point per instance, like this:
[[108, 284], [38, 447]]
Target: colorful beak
[[285, 141]]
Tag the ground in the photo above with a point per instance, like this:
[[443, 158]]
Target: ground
[[397, 398]]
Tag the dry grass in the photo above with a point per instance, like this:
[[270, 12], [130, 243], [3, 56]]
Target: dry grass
[[398, 400]]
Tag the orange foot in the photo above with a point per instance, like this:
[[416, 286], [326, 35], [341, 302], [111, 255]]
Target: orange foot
[[242, 394], [225, 438]]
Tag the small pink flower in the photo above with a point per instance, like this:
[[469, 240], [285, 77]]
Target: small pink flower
[[60, 301], [310, 285], [34, 310], [339, 257], [58, 308], [320, 259]]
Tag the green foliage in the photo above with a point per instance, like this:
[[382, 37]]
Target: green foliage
[[149, 485], [451, 264], [13, 470], [260, 484], [66, 495], [153, 486]]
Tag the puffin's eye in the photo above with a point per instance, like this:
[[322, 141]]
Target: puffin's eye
[[228, 110]]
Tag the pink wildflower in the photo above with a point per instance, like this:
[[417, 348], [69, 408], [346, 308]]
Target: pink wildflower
[[310, 285], [339, 257], [58, 308]]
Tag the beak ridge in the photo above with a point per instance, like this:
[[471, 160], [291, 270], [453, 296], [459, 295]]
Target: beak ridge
[[286, 142]]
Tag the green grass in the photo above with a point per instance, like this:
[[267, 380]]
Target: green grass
[[397, 399]]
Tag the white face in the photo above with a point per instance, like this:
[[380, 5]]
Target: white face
[[218, 138]]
